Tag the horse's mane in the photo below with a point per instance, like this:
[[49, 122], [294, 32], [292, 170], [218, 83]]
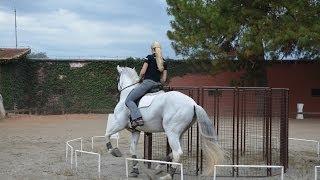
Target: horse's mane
[[131, 73]]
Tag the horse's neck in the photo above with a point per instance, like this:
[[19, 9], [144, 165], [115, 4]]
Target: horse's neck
[[124, 94]]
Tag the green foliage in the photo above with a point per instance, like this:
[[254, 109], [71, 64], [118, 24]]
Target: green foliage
[[37, 55], [55, 87], [253, 29]]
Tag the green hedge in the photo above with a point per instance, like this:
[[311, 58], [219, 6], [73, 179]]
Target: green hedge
[[53, 87]]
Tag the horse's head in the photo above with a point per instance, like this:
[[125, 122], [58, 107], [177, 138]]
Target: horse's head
[[127, 77]]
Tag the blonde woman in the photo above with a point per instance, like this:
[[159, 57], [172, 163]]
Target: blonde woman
[[153, 72]]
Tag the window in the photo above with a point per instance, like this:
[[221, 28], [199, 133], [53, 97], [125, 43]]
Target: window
[[315, 92]]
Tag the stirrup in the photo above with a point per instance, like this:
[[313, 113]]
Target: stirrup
[[137, 122]]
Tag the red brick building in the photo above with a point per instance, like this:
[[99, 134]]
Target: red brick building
[[302, 78]]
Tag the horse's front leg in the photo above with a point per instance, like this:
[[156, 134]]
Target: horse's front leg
[[115, 124], [135, 135], [114, 151]]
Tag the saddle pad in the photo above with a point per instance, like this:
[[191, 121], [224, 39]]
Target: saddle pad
[[147, 99]]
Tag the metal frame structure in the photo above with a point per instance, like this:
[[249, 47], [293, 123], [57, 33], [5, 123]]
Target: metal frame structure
[[251, 123]]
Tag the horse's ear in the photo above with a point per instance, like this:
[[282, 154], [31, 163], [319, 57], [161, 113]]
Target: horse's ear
[[119, 69], [134, 68]]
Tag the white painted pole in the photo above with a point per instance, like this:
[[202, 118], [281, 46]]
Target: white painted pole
[[71, 156], [99, 166], [92, 143], [181, 170], [66, 152], [127, 168], [76, 159], [318, 151], [81, 145], [214, 172]]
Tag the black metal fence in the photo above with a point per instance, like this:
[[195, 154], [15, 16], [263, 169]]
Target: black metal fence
[[251, 123]]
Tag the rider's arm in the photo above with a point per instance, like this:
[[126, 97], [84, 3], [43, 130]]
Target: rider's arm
[[164, 76], [143, 69]]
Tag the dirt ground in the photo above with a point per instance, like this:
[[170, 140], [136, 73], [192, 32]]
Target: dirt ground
[[33, 147]]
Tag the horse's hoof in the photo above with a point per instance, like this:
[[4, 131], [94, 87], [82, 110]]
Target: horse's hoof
[[116, 152], [158, 170], [166, 177], [133, 174], [150, 174]]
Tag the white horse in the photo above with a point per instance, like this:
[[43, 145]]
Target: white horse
[[171, 112]]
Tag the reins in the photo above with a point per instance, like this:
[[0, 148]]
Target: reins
[[128, 86]]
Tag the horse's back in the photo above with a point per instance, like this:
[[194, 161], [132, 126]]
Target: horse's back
[[176, 97]]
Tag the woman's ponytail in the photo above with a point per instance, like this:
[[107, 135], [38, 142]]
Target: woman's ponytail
[[156, 49]]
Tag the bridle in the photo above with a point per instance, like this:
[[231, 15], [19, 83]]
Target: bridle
[[118, 78]]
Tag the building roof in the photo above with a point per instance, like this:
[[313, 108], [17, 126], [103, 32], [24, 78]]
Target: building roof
[[11, 54]]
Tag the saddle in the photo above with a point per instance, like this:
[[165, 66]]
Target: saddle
[[147, 99]]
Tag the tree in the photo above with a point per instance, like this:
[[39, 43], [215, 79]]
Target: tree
[[254, 30], [38, 55]]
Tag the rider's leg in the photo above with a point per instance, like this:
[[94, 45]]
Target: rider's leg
[[135, 94], [133, 150]]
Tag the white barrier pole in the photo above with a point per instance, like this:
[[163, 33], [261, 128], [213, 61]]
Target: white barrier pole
[[318, 151], [249, 166], [66, 152], [309, 140], [154, 161], [316, 172], [214, 172], [71, 148], [93, 153], [71, 156], [127, 168]]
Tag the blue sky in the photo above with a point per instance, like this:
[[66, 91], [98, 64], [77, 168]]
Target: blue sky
[[86, 28]]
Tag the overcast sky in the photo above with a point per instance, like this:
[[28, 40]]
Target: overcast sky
[[86, 28]]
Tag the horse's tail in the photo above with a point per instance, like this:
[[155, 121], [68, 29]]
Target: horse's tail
[[214, 153]]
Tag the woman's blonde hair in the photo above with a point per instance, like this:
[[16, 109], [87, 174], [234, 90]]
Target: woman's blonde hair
[[156, 49]]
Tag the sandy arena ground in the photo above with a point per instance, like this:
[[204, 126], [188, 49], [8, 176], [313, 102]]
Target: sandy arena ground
[[33, 147]]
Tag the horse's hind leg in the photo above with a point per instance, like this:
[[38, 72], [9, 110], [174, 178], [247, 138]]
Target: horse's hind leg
[[167, 158], [174, 143], [135, 135]]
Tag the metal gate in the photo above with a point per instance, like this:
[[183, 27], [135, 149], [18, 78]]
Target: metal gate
[[251, 123]]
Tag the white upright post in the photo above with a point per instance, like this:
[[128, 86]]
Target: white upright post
[[300, 110]]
